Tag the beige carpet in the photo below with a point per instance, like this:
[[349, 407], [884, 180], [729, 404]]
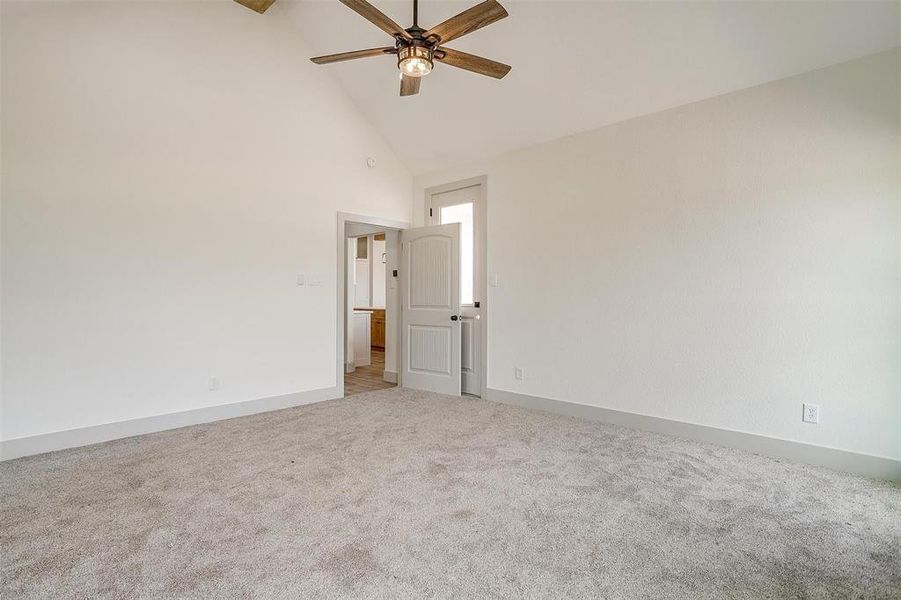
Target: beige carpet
[[399, 494]]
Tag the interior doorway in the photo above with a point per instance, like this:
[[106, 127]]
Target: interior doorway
[[367, 293], [368, 304]]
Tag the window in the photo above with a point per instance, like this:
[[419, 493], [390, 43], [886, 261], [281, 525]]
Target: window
[[362, 247], [462, 213]]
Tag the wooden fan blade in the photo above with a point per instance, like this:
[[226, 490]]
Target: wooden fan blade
[[471, 62], [376, 17], [467, 21], [258, 5], [333, 58], [409, 85]]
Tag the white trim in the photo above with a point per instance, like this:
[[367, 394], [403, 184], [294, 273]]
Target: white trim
[[95, 434], [341, 316], [879, 467], [390, 376], [868, 465], [482, 182]]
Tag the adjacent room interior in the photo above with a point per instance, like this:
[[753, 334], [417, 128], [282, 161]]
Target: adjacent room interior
[[415, 299], [366, 340]]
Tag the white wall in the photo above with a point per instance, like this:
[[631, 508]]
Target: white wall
[[719, 263], [168, 170], [361, 282], [378, 273], [369, 273]]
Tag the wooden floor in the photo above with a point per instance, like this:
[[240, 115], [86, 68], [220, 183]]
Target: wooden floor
[[366, 379]]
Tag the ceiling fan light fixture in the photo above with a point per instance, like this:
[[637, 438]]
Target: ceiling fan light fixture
[[414, 61]]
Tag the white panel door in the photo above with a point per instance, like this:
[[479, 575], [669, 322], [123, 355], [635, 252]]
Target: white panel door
[[430, 271]]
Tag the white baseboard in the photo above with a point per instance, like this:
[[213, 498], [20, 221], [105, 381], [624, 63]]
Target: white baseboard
[[878, 467], [349, 367], [70, 438], [843, 460], [389, 376]]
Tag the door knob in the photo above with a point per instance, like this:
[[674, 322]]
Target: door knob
[[454, 317]]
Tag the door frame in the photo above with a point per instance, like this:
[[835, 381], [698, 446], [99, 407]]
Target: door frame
[[341, 297], [482, 267]]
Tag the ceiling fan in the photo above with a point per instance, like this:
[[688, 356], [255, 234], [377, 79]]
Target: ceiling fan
[[417, 48]]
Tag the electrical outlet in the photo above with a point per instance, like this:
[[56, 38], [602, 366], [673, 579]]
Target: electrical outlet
[[517, 373], [811, 413], [214, 384]]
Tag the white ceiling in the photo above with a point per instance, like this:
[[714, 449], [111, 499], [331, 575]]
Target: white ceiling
[[580, 65]]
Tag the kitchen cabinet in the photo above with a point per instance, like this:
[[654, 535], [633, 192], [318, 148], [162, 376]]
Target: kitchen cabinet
[[378, 327]]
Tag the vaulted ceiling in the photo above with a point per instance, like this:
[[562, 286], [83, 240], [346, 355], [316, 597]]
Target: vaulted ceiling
[[581, 65]]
